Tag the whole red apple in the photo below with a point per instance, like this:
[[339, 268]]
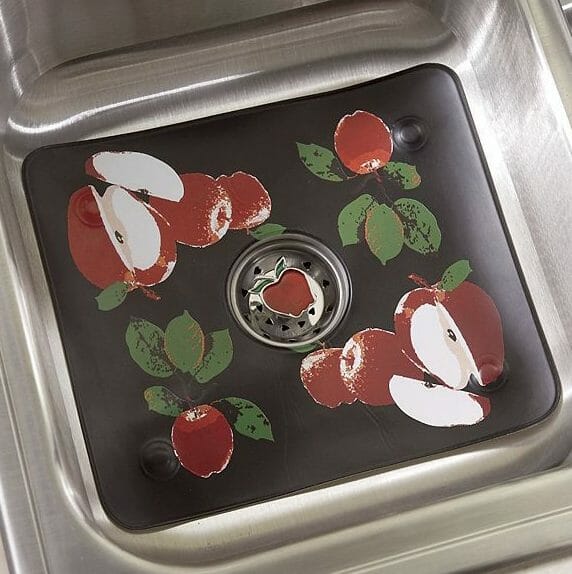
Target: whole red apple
[[202, 216], [321, 375], [368, 362], [250, 201], [363, 142], [202, 440]]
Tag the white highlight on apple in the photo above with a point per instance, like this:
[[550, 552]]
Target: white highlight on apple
[[219, 225], [351, 359]]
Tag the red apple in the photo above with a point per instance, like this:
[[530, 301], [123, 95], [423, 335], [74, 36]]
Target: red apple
[[454, 336], [250, 201], [203, 215], [118, 238], [320, 374], [363, 142], [368, 362], [290, 294], [479, 320], [202, 440], [437, 405]]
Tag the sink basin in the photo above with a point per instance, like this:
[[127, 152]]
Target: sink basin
[[126, 71]]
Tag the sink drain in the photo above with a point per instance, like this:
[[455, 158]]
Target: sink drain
[[289, 290]]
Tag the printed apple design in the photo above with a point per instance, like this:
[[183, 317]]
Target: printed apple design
[[118, 238], [289, 295], [438, 405], [202, 440], [210, 207], [288, 291], [450, 332], [136, 172], [456, 336], [368, 362], [202, 435], [322, 378], [363, 156], [202, 217], [363, 142], [251, 204], [125, 237]]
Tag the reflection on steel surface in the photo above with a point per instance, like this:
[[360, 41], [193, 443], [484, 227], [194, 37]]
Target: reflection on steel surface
[[513, 63]]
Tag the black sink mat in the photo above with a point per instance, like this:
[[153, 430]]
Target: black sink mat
[[313, 444]]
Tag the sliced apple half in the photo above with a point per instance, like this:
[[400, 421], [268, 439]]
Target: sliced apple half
[[437, 405], [131, 228], [455, 336], [136, 171], [439, 343], [89, 243]]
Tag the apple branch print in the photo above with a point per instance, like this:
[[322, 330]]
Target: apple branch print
[[439, 365], [202, 434], [125, 238], [364, 147]]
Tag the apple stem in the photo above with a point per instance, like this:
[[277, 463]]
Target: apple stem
[[379, 180], [150, 293], [419, 281]]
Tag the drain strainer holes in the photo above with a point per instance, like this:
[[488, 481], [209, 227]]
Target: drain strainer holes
[[289, 290]]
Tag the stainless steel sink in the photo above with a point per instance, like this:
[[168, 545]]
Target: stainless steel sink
[[78, 70]]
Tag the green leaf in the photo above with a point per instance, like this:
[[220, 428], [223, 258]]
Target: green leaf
[[218, 357], [260, 284], [146, 343], [251, 421], [306, 348], [403, 173], [454, 275], [161, 400], [351, 218], [320, 161], [280, 267], [422, 233], [383, 232], [267, 230], [185, 343], [112, 296]]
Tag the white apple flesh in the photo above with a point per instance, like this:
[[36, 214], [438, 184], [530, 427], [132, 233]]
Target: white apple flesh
[[131, 227], [437, 405], [136, 171], [440, 346], [454, 336]]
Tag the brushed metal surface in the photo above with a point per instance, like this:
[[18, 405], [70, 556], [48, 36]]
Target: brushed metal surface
[[513, 58], [567, 9]]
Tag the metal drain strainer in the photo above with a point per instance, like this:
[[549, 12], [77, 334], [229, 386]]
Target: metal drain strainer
[[289, 290]]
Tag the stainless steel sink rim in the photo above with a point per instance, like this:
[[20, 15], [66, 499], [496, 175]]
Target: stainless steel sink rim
[[346, 498]]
